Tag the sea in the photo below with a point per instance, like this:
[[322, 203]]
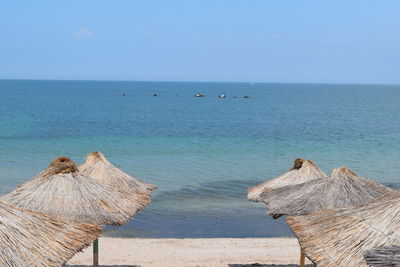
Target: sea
[[202, 152]]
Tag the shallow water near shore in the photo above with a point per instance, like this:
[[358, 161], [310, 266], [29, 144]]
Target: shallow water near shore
[[203, 153]]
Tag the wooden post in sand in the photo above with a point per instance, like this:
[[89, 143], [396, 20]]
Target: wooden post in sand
[[96, 253], [302, 258]]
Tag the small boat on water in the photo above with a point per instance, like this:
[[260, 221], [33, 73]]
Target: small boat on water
[[198, 95], [246, 96], [222, 96]]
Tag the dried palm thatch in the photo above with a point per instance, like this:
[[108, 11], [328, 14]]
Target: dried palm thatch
[[383, 257], [99, 168], [30, 238], [341, 237], [62, 191], [342, 189], [303, 170]]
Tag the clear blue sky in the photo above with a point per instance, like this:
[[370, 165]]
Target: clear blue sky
[[349, 41]]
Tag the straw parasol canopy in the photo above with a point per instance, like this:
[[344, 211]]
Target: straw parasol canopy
[[303, 170], [341, 237], [99, 168], [342, 189], [383, 257], [64, 192], [30, 238]]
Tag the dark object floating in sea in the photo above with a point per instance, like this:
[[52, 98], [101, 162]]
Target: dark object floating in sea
[[222, 96], [123, 94], [155, 95], [246, 96], [198, 95]]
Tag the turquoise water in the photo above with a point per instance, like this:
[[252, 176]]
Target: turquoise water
[[203, 153]]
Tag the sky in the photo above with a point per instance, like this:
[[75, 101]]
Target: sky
[[333, 41]]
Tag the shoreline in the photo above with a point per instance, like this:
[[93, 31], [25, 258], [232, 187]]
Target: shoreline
[[190, 252]]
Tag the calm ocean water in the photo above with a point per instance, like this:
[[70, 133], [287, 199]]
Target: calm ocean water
[[203, 153]]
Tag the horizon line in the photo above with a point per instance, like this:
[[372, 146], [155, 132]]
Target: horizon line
[[192, 81]]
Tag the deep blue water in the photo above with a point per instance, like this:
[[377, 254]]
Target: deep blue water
[[203, 153]]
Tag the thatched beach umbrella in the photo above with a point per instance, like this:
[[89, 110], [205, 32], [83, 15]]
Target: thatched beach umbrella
[[341, 189], [62, 191], [341, 237], [383, 256], [303, 170], [99, 168], [30, 238]]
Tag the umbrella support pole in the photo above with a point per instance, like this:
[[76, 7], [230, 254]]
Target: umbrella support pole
[[302, 258], [96, 253]]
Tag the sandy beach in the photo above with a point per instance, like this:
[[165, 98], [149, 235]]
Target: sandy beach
[[212, 252]]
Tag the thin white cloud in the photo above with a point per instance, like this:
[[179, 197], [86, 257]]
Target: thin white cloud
[[149, 33], [82, 33]]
